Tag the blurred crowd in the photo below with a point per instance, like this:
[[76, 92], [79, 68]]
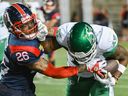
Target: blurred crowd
[[124, 22], [48, 12]]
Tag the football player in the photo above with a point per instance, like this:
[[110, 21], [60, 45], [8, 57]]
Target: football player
[[86, 44], [52, 17], [3, 30], [23, 55]]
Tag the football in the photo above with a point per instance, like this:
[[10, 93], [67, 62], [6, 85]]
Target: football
[[112, 66]]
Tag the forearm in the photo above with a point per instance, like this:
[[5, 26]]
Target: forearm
[[121, 56], [42, 66], [121, 69], [60, 72]]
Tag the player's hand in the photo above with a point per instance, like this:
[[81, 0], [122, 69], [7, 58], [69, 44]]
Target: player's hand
[[82, 68], [42, 31], [107, 81], [96, 65]]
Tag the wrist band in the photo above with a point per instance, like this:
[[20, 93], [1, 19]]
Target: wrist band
[[121, 68]]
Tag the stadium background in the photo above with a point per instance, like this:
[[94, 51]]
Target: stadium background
[[53, 87]]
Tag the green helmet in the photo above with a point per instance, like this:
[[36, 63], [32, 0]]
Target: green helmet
[[82, 42]]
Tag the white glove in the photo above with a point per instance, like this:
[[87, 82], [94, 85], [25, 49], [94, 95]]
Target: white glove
[[108, 81], [42, 31], [96, 64]]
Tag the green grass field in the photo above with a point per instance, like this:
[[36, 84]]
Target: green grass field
[[47, 86]]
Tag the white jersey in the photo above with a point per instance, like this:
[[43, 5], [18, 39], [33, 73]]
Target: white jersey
[[3, 29], [106, 41]]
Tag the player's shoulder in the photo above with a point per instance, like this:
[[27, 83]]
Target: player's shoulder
[[102, 29], [23, 53], [106, 37], [63, 31], [16, 41], [66, 26]]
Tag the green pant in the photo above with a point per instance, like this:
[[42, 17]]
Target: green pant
[[85, 86], [2, 47]]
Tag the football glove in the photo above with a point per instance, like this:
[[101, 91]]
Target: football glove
[[96, 65], [42, 31], [107, 81]]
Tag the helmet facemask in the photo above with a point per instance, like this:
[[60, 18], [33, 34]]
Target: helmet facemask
[[27, 28], [82, 57]]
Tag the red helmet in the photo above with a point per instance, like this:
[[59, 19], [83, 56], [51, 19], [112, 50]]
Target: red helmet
[[21, 21]]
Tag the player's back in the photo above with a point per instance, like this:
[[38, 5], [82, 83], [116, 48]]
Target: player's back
[[18, 54]]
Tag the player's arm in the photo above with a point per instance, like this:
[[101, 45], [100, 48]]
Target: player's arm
[[44, 67], [120, 54], [50, 44], [51, 23], [31, 57]]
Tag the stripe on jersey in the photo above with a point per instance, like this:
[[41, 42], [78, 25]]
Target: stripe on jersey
[[56, 16], [31, 49], [19, 9]]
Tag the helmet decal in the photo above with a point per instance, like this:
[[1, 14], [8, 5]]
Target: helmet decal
[[90, 37]]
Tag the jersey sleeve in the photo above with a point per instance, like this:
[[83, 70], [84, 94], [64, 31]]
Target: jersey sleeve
[[24, 56], [63, 33], [107, 40], [56, 16]]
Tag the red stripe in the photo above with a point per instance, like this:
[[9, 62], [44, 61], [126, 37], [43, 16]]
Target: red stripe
[[31, 49], [56, 16], [55, 30], [19, 9]]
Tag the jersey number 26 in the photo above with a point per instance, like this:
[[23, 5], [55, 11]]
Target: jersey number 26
[[21, 56]]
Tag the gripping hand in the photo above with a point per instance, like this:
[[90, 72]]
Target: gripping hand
[[107, 81], [96, 65], [42, 31]]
